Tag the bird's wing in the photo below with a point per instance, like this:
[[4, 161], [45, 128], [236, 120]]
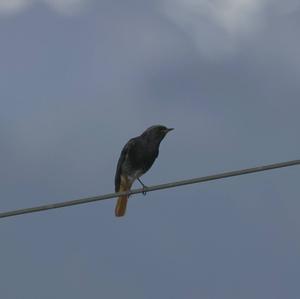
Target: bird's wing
[[129, 146]]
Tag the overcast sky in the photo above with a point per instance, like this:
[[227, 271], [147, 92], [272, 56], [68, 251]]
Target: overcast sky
[[78, 78]]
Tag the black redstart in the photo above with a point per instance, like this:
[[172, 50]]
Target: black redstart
[[136, 158]]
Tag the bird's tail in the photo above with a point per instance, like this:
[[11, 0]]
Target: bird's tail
[[122, 200], [121, 206]]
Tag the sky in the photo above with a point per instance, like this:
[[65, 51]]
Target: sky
[[80, 78]]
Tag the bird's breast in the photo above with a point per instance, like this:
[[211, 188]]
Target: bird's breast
[[139, 162]]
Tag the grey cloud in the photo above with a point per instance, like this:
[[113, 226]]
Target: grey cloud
[[219, 27], [68, 7], [74, 90]]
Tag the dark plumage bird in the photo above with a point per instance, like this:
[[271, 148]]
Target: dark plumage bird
[[136, 158]]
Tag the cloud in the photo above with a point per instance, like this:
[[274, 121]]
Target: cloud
[[68, 7], [13, 6], [217, 27]]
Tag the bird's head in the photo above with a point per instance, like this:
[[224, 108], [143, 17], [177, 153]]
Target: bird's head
[[157, 132]]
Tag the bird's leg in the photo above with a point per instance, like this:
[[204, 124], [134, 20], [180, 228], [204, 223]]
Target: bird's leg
[[144, 187]]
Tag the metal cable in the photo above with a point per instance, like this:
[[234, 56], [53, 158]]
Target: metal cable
[[149, 189]]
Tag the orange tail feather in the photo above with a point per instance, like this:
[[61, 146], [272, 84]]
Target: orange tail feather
[[122, 200], [121, 206]]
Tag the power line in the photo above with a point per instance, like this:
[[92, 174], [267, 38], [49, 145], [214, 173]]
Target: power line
[[149, 189]]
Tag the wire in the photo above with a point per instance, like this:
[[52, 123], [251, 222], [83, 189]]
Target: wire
[[149, 189]]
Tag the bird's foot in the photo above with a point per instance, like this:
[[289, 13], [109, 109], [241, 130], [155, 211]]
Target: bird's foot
[[144, 192]]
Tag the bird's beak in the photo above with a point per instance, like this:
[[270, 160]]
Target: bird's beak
[[169, 129]]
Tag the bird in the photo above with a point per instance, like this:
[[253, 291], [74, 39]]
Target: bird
[[136, 158]]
